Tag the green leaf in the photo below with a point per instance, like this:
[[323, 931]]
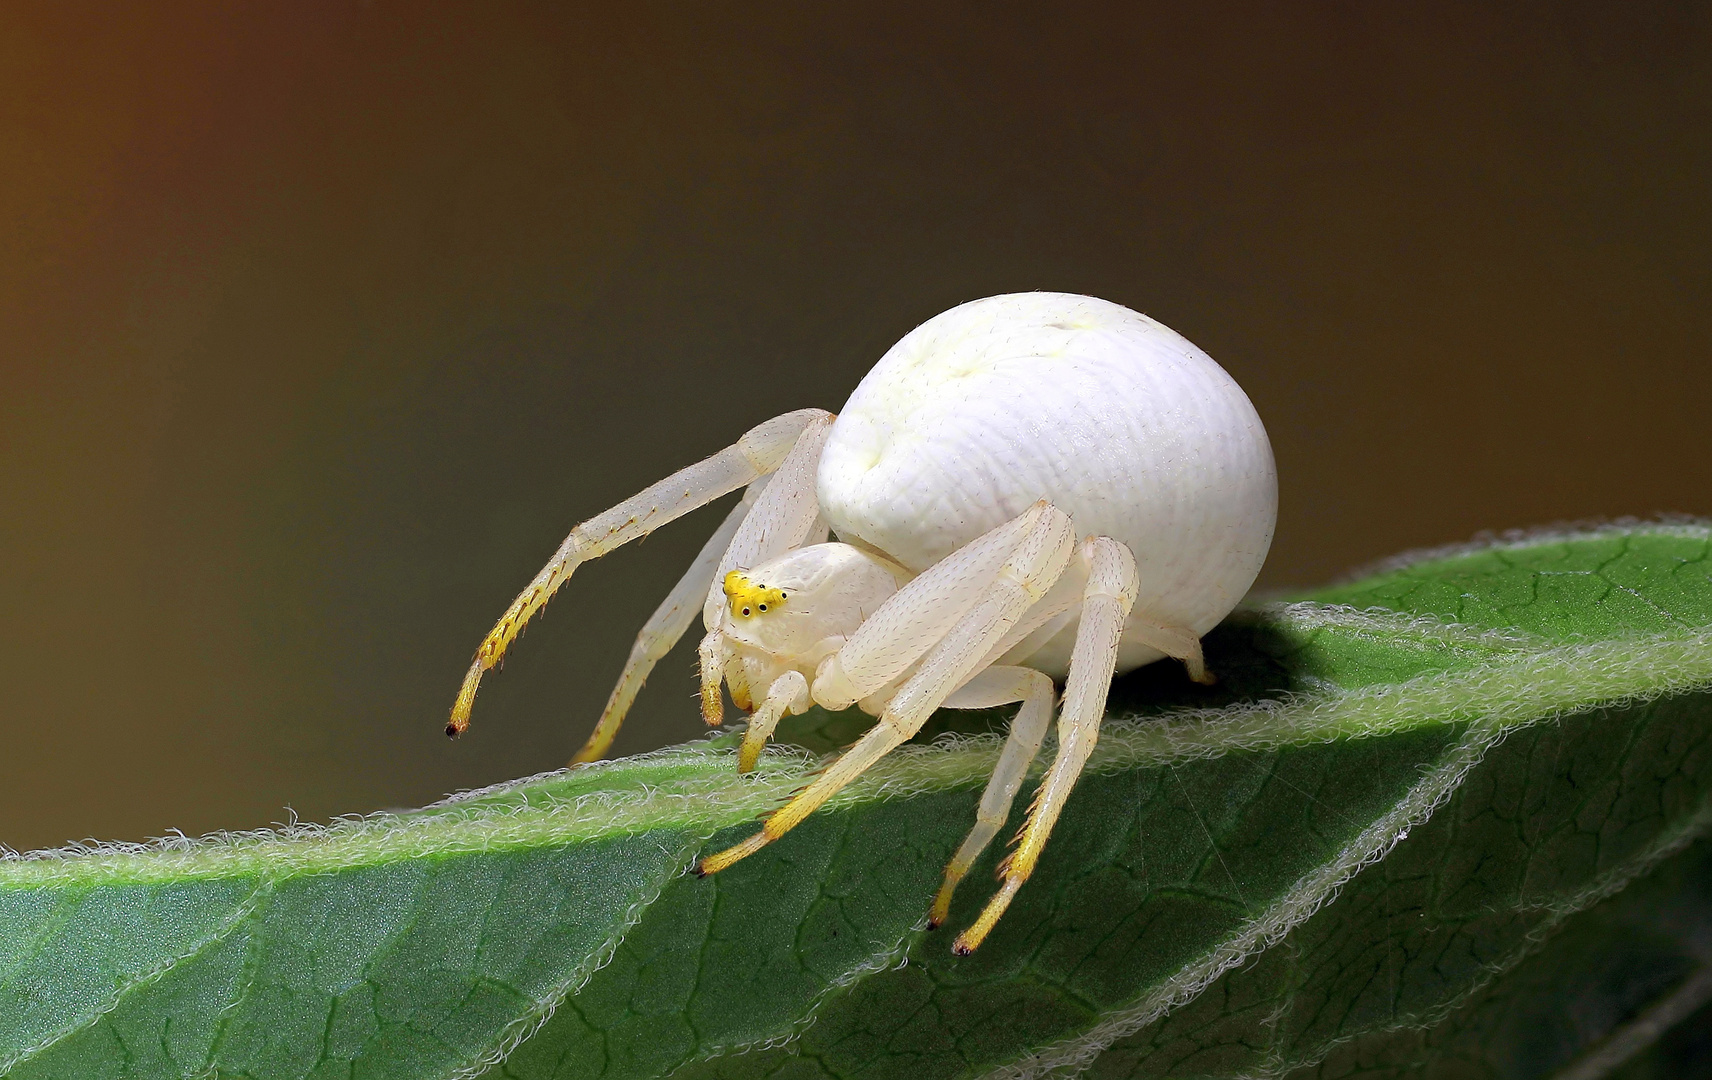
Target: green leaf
[[1598, 986], [1424, 818]]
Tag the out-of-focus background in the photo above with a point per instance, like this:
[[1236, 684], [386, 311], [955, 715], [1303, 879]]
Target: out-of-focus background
[[321, 323]]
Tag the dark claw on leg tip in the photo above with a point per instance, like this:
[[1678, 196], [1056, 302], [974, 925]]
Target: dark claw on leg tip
[[451, 731], [961, 949]]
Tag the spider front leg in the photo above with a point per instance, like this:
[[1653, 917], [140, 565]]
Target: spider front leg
[[759, 452], [1106, 602], [665, 627], [1032, 566], [785, 515], [789, 693]]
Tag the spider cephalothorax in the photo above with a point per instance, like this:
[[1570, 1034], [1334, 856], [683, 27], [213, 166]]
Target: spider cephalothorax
[[1027, 488]]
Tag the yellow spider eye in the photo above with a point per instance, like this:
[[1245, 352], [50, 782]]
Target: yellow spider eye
[[747, 597]]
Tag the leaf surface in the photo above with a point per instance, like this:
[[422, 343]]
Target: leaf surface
[[1419, 810]]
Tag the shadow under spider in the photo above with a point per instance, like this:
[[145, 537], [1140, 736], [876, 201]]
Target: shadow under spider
[[1251, 657]]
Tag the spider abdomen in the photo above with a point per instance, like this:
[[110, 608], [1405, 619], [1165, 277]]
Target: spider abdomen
[[1117, 420]]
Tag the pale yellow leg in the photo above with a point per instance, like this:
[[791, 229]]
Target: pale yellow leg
[[1045, 619], [1105, 605], [789, 693], [919, 615], [1033, 565], [711, 654], [785, 514], [1177, 642], [758, 452], [997, 686], [663, 629]]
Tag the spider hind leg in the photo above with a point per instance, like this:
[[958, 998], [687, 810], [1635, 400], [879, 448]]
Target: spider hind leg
[[1106, 602], [997, 686]]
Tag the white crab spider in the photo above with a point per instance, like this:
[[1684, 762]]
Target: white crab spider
[[1028, 488]]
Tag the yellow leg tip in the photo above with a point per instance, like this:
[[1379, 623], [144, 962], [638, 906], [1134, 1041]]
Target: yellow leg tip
[[970, 940], [713, 864], [587, 755], [941, 908], [712, 708], [599, 740], [749, 754], [461, 708]]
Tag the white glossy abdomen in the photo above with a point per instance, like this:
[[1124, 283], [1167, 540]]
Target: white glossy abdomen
[[1118, 420]]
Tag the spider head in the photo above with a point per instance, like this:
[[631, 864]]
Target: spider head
[[802, 604]]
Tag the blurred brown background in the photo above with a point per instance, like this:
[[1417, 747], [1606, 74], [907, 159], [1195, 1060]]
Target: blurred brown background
[[321, 323]]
